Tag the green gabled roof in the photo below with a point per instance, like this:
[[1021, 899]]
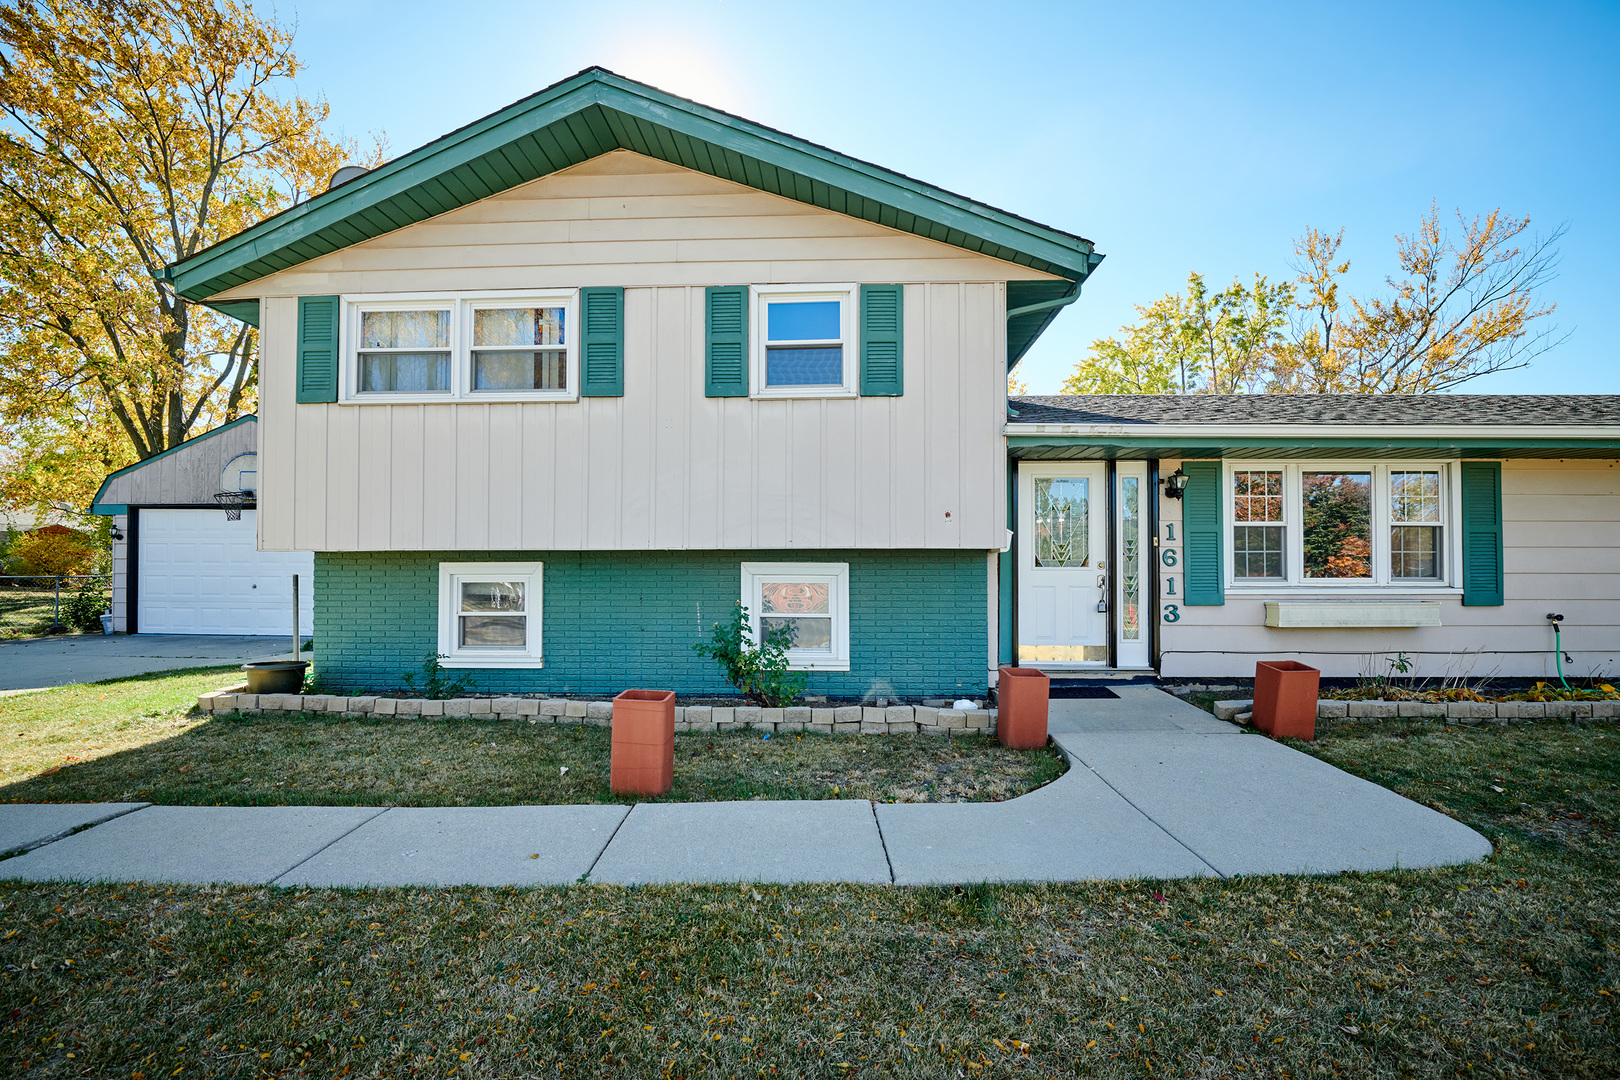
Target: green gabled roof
[[591, 114]]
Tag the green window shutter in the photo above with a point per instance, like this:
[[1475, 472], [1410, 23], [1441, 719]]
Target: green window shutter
[[601, 339], [726, 368], [317, 349], [1482, 534], [1204, 560], [882, 348]]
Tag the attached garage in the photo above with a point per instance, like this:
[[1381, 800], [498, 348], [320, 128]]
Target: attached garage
[[203, 574], [180, 565]]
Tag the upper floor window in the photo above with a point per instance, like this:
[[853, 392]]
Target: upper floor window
[[1336, 525], [804, 341], [404, 350], [468, 347]]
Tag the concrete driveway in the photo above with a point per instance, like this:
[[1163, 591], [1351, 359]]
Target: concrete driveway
[[61, 661]]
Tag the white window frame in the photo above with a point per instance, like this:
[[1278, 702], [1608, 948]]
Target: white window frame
[[461, 305], [349, 341], [451, 576], [1381, 583], [834, 574], [848, 297]]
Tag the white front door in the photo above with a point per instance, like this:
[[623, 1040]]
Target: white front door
[[1062, 564]]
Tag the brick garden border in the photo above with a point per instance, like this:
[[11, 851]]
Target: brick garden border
[[1468, 710], [851, 719], [1477, 711]]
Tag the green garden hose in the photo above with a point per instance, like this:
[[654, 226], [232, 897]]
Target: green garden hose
[[1558, 649]]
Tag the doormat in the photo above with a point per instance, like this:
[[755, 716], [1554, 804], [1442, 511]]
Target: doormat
[[1080, 690]]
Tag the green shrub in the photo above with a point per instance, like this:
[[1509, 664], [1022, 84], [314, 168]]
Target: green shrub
[[82, 610], [434, 683], [760, 672]]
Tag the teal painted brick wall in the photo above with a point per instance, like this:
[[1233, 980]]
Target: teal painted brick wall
[[614, 620]]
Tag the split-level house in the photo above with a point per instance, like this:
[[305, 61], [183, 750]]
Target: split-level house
[[550, 396]]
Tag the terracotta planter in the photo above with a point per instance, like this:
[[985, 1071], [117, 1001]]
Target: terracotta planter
[[1021, 701], [643, 760], [1285, 699]]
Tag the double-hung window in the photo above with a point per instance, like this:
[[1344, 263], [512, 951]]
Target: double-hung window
[[489, 614], [465, 347], [404, 349], [519, 348], [805, 603], [1333, 525], [804, 341]]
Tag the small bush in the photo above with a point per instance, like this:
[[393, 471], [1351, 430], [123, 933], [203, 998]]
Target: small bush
[[760, 672], [82, 610], [434, 683]]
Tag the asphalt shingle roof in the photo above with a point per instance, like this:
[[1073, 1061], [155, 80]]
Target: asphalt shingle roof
[[1482, 410]]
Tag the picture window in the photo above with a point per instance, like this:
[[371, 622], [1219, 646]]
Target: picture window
[[1332, 525]]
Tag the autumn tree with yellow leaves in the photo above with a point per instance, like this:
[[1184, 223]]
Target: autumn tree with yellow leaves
[[1462, 306], [133, 133]]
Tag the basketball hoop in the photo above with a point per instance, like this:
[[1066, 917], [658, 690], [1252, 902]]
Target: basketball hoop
[[234, 503]]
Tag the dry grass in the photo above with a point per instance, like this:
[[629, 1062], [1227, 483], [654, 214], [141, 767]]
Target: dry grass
[[1507, 968], [134, 741]]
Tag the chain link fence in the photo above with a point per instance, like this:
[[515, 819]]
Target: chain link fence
[[53, 604]]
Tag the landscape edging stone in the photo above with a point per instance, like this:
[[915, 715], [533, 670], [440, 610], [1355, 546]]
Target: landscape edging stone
[[891, 720]]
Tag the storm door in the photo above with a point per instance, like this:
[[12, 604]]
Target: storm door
[[1063, 582]]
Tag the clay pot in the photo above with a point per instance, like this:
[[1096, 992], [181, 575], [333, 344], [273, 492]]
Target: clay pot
[[643, 761], [1285, 699], [1021, 704]]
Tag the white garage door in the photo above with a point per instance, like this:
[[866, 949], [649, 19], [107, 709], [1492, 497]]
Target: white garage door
[[201, 574]]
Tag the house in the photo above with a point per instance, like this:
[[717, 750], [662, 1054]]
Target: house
[[551, 395], [1358, 534], [181, 565]]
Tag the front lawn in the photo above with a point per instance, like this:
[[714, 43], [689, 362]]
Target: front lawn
[[1508, 968], [133, 740]]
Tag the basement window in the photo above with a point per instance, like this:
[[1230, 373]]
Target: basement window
[[489, 614]]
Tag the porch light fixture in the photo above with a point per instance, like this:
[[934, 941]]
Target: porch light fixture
[[1175, 484], [116, 534]]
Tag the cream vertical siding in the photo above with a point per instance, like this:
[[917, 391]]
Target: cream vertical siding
[[1561, 553], [663, 467]]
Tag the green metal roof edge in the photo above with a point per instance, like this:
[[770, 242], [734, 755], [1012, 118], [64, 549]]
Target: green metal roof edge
[[1336, 442], [244, 310], [1041, 246], [96, 506]]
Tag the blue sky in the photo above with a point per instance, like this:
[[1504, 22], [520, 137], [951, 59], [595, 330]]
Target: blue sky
[[1177, 137]]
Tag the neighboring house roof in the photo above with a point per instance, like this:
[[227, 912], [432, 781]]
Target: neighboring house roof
[[189, 485], [1305, 425], [1336, 409], [595, 112]]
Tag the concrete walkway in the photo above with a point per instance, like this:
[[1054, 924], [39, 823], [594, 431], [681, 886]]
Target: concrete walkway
[[40, 663], [1156, 789]]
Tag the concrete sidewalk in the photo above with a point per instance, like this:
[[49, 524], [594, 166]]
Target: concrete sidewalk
[[1155, 789]]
